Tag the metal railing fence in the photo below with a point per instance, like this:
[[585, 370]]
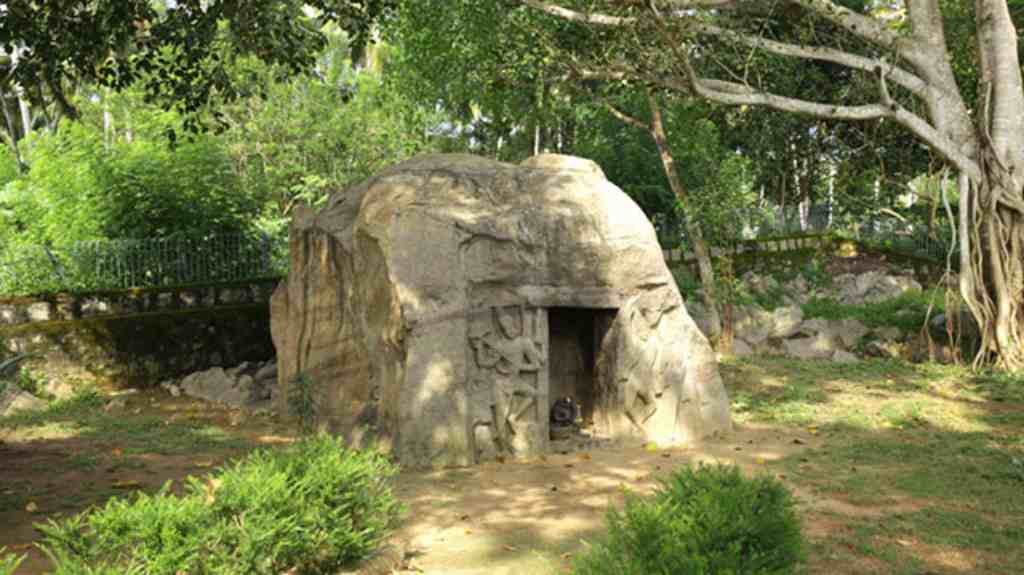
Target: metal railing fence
[[140, 263]]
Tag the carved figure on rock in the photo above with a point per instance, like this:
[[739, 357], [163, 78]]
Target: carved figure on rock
[[515, 359]]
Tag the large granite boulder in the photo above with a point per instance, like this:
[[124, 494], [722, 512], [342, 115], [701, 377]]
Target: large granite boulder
[[446, 303]]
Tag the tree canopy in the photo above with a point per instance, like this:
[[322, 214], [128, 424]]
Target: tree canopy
[[179, 51]]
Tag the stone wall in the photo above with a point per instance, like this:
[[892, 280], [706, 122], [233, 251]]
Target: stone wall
[[68, 306], [138, 338]]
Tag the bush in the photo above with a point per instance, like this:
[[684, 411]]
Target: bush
[[908, 311], [704, 521], [313, 507], [77, 189], [9, 563]]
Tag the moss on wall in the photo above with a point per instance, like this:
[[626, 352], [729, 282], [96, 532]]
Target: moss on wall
[[138, 350]]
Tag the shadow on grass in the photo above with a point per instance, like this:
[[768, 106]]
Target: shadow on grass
[[83, 418], [921, 466]]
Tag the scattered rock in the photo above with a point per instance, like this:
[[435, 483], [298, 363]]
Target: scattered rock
[[247, 385], [850, 332], [219, 386], [813, 327], [114, 405], [266, 373], [817, 347], [884, 349], [741, 348], [843, 356], [786, 321], [889, 334], [13, 399]]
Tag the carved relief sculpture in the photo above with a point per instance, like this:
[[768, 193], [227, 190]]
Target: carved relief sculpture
[[513, 359]]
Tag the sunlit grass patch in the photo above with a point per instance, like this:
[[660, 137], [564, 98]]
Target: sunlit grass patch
[[868, 395]]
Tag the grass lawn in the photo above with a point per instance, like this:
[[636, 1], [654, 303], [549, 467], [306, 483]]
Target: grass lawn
[[898, 468], [920, 467]]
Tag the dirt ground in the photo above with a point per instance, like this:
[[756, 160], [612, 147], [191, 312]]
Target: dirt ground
[[857, 444], [64, 464], [493, 519], [523, 518]]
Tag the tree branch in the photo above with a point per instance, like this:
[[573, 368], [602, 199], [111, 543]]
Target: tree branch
[[624, 117], [577, 16], [862, 26], [910, 81]]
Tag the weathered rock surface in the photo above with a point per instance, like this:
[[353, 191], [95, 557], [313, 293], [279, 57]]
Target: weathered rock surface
[[241, 386], [820, 346], [843, 356], [871, 287], [448, 301], [784, 330], [13, 400]]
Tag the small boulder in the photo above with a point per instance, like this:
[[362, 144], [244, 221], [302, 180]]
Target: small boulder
[[884, 349], [843, 356], [269, 372], [786, 321], [849, 331], [219, 386], [888, 287], [741, 348], [13, 399], [889, 333], [813, 327], [818, 347]]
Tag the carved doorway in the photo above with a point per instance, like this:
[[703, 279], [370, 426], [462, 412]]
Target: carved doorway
[[574, 338]]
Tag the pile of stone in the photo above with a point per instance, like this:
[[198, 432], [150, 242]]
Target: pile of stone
[[13, 399], [869, 287], [248, 385], [784, 330]]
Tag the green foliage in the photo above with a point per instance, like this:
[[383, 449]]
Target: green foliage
[[307, 138], [704, 521], [908, 311], [313, 507], [687, 283], [718, 182], [178, 54], [150, 190], [303, 393], [60, 198], [76, 190], [9, 562], [8, 166]]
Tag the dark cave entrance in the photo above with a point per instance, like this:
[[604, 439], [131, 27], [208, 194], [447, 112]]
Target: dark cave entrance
[[575, 336]]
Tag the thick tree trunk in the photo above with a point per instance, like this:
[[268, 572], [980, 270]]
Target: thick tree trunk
[[12, 132], [992, 270], [995, 215], [19, 93], [700, 248]]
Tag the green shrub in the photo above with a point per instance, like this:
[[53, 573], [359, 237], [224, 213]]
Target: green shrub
[[688, 284], [77, 189], [313, 507], [708, 520], [907, 311], [302, 402], [8, 562]]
